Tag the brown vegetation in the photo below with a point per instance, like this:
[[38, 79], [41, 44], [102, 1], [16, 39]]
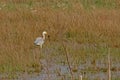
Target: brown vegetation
[[20, 25]]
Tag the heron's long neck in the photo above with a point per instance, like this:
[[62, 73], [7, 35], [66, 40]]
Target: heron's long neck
[[43, 36]]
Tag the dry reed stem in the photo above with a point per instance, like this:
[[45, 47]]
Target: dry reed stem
[[48, 72], [46, 65], [68, 62], [109, 66]]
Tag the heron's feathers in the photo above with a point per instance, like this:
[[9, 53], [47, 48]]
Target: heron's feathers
[[39, 41]]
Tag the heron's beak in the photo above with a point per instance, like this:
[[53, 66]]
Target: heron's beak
[[48, 36]]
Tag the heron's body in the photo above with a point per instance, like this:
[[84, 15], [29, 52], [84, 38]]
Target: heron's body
[[40, 40]]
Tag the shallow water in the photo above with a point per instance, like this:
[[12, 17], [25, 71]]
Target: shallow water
[[62, 72]]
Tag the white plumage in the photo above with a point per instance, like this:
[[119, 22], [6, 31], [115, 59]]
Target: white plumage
[[40, 40]]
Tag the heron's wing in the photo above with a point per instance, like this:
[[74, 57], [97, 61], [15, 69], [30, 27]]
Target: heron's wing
[[39, 41]]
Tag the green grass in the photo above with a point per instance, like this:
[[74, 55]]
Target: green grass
[[62, 4], [109, 4]]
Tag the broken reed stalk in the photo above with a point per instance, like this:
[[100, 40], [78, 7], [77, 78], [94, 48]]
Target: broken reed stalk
[[80, 77], [109, 66], [47, 67], [68, 62]]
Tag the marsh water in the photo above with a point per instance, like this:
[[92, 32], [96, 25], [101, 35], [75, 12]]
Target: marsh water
[[62, 72], [55, 67]]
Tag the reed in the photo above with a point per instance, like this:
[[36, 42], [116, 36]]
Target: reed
[[109, 66], [68, 62]]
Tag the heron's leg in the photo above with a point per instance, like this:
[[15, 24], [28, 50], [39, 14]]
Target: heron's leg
[[40, 50], [41, 46]]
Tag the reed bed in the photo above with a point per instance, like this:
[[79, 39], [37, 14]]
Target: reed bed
[[88, 28]]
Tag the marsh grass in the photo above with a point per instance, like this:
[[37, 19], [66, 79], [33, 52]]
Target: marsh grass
[[88, 31]]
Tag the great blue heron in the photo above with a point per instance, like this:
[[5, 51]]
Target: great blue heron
[[40, 40]]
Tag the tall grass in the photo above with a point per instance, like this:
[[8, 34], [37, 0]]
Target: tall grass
[[22, 21]]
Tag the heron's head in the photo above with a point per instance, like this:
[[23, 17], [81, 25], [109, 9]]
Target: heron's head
[[44, 32]]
